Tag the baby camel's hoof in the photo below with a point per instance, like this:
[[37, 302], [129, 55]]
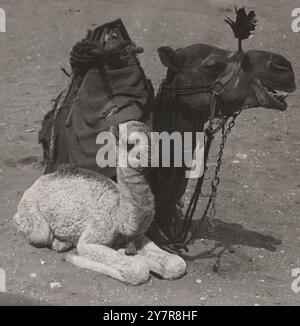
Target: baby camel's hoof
[[174, 267], [137, 273]]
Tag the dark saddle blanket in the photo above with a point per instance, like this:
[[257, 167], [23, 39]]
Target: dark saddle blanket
[[108, 87]]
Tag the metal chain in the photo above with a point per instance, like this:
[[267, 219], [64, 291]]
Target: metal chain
[[216, 180]]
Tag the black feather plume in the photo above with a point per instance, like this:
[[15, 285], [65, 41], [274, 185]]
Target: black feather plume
[[244, 24]]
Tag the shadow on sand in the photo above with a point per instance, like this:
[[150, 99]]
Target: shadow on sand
[[225, 235]]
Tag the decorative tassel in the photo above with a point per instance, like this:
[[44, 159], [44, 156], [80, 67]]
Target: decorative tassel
[[243, 26]]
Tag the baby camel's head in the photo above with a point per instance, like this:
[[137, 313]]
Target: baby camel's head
[[134, 145]]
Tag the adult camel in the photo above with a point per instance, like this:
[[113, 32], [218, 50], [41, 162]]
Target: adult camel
[[204, 82]]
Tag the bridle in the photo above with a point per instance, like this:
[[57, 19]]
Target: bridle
[[216, 88]]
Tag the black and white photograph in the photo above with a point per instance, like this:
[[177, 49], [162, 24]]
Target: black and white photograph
[[149, 155]]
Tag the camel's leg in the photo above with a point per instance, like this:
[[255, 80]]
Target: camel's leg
[[60, 246], [87, 263], [168, 266], [129, 269], [168, 217], [36, 229]]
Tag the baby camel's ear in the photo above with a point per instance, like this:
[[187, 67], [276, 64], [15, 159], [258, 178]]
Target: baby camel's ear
[[169, 58]]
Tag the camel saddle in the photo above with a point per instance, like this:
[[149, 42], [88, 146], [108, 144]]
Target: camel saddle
[[107, 87]]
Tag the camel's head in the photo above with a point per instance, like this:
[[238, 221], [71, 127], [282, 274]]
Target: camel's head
[[253, 79], [134, 140]]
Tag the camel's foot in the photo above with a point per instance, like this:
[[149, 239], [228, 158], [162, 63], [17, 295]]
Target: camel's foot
[[168, 266], [135, 272], [138, 272], [108, 261]]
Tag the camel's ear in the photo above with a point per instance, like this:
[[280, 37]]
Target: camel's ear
[[169, 58]]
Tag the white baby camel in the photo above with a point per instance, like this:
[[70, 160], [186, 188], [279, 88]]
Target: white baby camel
[[76, 207]]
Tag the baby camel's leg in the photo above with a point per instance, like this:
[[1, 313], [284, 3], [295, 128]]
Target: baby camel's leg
[[107, 261], [165, 264], [36, 229]]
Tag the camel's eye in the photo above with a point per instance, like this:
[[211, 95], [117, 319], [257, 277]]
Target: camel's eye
[[214, 64], [217, 66], [214, 67]]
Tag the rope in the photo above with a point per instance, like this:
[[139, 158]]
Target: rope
[[82, 58], [89, 53]]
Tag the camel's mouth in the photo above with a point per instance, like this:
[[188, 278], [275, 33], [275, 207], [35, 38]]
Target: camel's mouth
[[270, 97], [278, 95]]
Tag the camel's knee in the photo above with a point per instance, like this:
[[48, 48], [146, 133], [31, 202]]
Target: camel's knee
[[134, 270], [174, 267], [35, 228], [138, 272], [40, 238]]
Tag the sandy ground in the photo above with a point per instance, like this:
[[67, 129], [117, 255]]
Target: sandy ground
[[256, 239]]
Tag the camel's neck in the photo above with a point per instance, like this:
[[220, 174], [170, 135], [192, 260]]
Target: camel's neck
[[136, 202], [167, 182], [168, 116]]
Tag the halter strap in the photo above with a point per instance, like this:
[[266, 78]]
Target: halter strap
[[216, 88]]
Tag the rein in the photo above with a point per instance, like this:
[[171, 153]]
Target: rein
[[216, 89]]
